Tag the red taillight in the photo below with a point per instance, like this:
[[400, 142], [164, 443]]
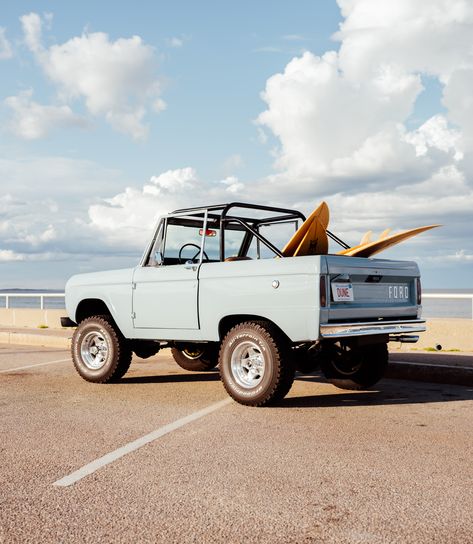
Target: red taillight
[[323, 292], [419, 292]]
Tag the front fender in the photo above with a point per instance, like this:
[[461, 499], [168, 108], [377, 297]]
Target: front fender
[[113, 288]]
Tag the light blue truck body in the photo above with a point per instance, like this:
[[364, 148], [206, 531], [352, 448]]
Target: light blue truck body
[[190, 302]]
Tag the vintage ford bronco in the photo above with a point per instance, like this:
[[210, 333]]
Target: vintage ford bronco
[[215, 287]]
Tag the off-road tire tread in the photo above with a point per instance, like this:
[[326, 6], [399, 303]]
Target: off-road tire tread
[[123, 353], [284, 362]]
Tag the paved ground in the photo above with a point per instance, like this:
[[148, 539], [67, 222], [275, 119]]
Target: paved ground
[[389, 465]]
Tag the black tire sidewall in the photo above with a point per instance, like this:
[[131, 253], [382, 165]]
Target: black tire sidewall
[[374, 359], [260, 392], [108, 369]]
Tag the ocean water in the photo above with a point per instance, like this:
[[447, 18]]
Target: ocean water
[[438, 307], [458, 308]]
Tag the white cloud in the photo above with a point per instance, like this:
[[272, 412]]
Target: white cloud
[[7, 255], [116, 79], [320, 117], [431, 37], [32, 120], [48, 235], [175, 42], [43, 209], [32, 29], [233, 185], [460, 256], [129, 216], [6, 51], [127, 219], [435, 133], [343, 121]]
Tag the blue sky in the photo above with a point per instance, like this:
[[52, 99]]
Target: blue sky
[[243, 101], [214, 78]]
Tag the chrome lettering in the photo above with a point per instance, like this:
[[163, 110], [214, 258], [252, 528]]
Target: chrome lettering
[[398, 291]]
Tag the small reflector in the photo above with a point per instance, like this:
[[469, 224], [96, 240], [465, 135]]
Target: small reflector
[[323, 292]]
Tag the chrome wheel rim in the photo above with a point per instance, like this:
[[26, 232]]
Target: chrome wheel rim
[[192, 354], [346, 363], [248, 364], [94, 350]]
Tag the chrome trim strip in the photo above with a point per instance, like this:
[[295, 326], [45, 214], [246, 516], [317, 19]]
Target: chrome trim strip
[[341, 330]]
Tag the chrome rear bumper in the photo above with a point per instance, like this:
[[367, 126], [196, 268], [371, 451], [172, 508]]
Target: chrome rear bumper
[[344, 330]]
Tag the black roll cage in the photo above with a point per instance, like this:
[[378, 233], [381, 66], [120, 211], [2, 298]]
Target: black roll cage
[[250, 224]]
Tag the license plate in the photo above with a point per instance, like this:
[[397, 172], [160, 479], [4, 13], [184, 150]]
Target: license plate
[[342, 292]]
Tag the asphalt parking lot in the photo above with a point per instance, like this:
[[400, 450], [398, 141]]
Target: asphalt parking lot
[[165, 456]]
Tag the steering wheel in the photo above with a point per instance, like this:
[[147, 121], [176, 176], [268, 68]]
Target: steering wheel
[[181, 261]]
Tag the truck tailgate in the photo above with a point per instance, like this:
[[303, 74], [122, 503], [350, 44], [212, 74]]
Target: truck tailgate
[[360, 289]]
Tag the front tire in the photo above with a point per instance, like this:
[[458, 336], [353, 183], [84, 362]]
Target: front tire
[[99, 351], [256, 364], [352, 367]]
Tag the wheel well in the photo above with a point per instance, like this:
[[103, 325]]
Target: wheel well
[[89, 307], [231, 320]]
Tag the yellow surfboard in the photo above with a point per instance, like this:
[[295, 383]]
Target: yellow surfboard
[[311, 237], [315, 241], [371, 248]]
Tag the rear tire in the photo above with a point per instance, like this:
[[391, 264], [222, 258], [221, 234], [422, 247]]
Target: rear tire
[[100, 353], [354, 368], [196, 358], [256, 364]]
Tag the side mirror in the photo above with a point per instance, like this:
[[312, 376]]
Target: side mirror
[[158, 258]]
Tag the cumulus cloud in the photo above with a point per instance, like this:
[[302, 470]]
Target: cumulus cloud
[[32, 120], [321, 117], [6, 51], [430, 37], [128, 216], [344, 121], [233, 185], [116, 79], [43, 211]]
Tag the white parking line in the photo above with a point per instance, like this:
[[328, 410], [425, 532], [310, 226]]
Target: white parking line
[[33, 366], [136, 444]]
